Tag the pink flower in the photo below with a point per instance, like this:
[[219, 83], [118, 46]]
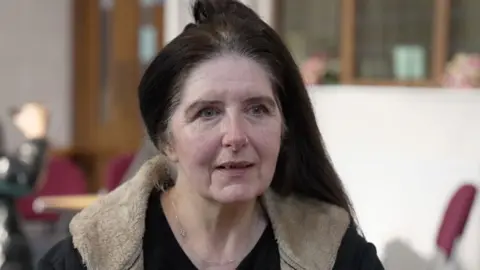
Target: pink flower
[[313, 69], [463, 71]]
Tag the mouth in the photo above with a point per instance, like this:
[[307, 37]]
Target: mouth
[[235, 165]]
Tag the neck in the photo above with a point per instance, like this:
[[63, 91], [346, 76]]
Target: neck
[[215, 231]]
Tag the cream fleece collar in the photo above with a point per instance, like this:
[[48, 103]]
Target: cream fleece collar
[[109, 233]]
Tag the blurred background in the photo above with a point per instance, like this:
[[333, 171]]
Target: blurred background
[[395, 84]]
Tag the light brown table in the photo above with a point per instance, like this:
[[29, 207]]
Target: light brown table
[[64, 202]]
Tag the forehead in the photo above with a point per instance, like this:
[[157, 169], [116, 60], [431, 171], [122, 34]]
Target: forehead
[[227, 76]]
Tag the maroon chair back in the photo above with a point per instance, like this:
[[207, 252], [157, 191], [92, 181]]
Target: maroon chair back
[[62, 177], [116, 169], [455, 218]]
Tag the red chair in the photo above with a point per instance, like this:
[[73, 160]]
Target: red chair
[[455, 218], [62, 177], [453, 223], [116, 169]]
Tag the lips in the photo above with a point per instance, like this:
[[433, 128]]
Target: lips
[[233, 165]]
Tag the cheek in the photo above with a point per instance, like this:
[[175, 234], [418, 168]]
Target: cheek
[[195, 147], [268, 138]]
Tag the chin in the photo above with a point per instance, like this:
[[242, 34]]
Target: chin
[[236, 194]]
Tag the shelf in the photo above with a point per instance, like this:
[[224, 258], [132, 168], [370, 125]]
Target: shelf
[[423, 83]]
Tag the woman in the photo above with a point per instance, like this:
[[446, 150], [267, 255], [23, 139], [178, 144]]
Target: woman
[[244, 181], [19, 174]]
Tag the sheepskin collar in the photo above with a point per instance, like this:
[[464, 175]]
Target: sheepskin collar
[[109, 233]]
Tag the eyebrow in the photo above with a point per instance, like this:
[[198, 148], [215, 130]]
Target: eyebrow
[[200, 103], [270, 102], [196, 105]]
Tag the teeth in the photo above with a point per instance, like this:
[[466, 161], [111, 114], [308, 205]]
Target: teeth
[[234, 166], [231, 166]]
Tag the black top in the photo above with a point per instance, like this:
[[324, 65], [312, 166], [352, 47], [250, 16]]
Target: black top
[[355, 253], [162, 251]]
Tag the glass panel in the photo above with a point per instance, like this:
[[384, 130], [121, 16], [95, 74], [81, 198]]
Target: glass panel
[[463, 68], [106, 10], [311, 27], [464, 27], [148, 33], [393, 39], [147, 44]]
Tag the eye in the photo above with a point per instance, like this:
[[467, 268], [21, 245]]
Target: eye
[[258, 109], [208, 113]]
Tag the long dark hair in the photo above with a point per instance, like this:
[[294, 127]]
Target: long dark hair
[[227, 26]]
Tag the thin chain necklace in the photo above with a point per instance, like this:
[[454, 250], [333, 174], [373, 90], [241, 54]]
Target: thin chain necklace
[[184, 235]]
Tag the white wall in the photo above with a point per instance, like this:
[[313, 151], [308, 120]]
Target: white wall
[[35, 63], [401, 153]]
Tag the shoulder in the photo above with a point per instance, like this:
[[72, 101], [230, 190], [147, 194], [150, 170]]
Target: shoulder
[[356, 253], [62, 256]]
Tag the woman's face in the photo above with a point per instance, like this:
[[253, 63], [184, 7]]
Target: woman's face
[[226, 131]]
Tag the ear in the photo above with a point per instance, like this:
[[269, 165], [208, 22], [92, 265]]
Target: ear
[[171, 153]]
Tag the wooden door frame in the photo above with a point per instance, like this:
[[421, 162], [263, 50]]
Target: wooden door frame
[[86, 79], [92, 146]]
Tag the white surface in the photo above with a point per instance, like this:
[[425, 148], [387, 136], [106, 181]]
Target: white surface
[[402, 152]]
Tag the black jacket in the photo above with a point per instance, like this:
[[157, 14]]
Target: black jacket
[[108, 235], [354, 254]]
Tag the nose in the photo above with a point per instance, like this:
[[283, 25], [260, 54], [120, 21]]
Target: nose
[[234, 136]]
